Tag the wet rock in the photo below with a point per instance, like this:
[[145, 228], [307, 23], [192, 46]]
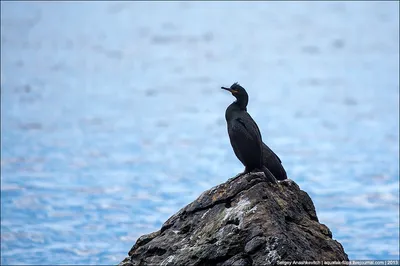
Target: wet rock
[[244, 221]]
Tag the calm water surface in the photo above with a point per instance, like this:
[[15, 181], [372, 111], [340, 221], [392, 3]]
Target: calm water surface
[[113, 120]]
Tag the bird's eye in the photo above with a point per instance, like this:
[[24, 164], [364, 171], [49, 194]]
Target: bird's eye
[[234, 91]]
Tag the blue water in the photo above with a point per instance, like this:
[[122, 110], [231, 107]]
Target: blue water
[[113, 120]]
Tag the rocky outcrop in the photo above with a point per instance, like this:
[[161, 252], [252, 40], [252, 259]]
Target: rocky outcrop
[[245, 221]]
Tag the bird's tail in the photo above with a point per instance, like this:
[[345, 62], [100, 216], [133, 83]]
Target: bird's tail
[[271, 178]]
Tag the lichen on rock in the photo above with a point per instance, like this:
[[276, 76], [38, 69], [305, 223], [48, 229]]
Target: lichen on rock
[[244, 221]]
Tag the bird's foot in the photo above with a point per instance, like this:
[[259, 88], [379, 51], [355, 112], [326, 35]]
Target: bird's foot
[[239, 175]]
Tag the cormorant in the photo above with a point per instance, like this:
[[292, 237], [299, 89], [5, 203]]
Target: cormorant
[[246, 140]]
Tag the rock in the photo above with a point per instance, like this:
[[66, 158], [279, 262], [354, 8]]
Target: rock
[[244, 221]]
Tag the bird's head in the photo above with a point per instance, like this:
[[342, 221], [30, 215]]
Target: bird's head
[[238, 92]]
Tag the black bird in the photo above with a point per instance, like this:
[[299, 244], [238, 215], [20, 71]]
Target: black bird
[[246, 140]]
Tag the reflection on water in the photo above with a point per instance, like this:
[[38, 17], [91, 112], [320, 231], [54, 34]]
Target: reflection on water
[[112, 119]]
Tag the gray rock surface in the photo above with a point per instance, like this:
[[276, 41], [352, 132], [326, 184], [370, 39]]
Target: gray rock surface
[[244, 221]]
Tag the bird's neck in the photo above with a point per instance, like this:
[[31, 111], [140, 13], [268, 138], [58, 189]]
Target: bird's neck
[[242, 103], [235, 108]]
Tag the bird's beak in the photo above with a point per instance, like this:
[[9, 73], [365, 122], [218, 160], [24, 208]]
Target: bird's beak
[[229, 89]]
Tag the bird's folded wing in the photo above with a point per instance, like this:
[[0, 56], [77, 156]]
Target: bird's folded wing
[[246, 129], [268, 152]]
